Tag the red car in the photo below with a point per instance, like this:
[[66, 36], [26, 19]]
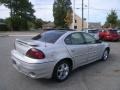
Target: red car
[[109, 35]]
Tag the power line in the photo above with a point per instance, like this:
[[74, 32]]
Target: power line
[[103, 9], [43, 8], [43, 4], [92, 8], [78, 4]]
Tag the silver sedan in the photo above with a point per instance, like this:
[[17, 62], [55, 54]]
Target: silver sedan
[[54, 54]]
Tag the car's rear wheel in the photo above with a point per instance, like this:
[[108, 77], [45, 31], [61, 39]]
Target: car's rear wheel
[[105, 55], [62, 71]]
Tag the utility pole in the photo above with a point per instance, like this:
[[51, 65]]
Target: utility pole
[[88, 14], [82, 15], [11, 14]]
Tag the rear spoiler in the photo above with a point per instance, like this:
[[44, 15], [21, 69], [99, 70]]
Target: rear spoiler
[[26, 43]]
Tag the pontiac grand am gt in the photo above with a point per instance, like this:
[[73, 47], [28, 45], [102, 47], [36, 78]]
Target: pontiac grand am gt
[[55, 53]]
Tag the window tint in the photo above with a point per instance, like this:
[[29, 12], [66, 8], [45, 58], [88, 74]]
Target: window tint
[[89, 39], [50, 36], [74, 39]]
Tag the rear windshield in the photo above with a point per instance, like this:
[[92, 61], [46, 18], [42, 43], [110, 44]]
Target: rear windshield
[[113, 31], [93, 31], [49, 36]]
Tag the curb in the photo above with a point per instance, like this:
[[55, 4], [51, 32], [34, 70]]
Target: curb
[[17, 35], [21, 35], [3, 35]]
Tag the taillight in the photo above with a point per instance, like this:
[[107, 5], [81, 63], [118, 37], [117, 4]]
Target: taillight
[[35, 53]]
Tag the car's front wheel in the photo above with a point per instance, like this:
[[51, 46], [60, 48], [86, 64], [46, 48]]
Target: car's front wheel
[[62, 71]]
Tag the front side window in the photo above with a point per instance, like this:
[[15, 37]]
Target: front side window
[[74, 39], [89, 39]]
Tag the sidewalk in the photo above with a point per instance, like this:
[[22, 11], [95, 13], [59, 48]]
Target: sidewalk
[[21, 33], [3, 35]]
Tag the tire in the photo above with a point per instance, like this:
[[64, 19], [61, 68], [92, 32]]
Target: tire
[[61, 71], [105, 55]]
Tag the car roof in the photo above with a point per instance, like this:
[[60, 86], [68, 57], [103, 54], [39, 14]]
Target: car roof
[[92, 29], [63, 30]]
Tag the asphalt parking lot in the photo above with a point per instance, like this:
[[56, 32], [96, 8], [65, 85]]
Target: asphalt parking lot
[[100, 75]]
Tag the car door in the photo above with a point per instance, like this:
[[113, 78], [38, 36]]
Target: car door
[[94, 48], [77, 48]]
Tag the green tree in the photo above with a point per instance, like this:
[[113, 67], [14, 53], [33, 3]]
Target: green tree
[[21, 13], [118, 24], [112, 19], [38, 23], [62, 13]]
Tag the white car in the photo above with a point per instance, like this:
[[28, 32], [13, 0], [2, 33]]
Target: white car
[[55, 53], [118, 31]]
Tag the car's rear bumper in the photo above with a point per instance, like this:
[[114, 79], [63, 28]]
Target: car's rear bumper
[[33, 70]]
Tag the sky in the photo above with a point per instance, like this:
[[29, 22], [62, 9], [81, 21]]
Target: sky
[[98, 9]]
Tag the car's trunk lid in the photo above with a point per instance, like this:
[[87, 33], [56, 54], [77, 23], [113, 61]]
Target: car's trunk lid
[[23, 46]]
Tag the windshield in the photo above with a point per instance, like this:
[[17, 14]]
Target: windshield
[[93, 31], [49, 36]]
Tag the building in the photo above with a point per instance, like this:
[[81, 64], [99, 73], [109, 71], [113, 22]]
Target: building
[[78, 23], [48, 25], [94, 25]]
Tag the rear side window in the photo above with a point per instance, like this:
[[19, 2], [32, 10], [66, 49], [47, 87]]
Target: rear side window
[[49, 37]]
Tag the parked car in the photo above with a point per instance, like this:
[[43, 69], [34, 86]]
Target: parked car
[[94, 32], [54, 54], [118, 33], [110, 35]]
